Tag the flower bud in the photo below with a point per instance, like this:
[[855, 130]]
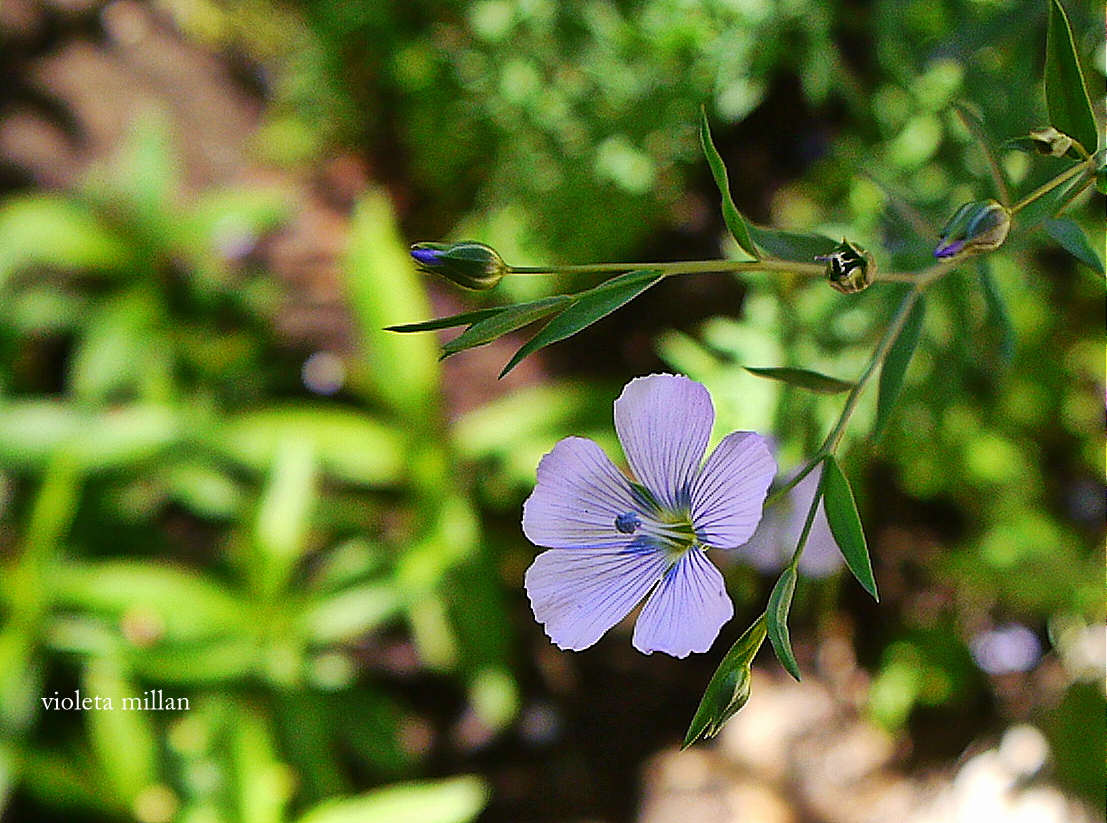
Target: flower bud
[[1050, 142], [975, 227], [468, 264], [849, 267]]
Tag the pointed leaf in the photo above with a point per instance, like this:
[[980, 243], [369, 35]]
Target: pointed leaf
[[503, 321], [776, 620], [798, 247], [729, 688], [586, 308], [895, 366], [1070, 110], [845, 524], [734, 220], [998, 317], [1073, 240], [463, 319], [803, 378]]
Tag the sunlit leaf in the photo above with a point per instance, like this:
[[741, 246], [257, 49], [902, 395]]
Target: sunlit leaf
[[349, 445], [177, 606], [804, 379], [1070, 109], [734, 220], [123, 741], [729, 688], [586, 309], [776, 620], [1072, 239], [505, 320], [845, 524], [351, 613], [895, 366], [48, 230], [455, 800], [384, 289]]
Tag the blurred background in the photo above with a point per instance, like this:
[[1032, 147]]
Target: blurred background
[[222, 482]]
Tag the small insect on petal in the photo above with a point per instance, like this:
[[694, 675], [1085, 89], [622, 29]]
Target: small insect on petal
[[628, 522]]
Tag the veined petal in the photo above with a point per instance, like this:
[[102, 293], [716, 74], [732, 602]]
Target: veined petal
[[686, 611], [664, 422], [578, 496], [729, 492], [578, 594]]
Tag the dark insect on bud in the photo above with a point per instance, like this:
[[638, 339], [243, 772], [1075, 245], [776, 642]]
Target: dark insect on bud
[[849, 268]]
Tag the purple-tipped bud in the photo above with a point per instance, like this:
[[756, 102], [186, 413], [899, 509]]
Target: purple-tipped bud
[[468, 264], [975, 227]]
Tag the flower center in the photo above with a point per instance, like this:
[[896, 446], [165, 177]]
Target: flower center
[[675, 534]]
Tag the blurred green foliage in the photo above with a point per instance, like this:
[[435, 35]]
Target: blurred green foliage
[[179, 515]]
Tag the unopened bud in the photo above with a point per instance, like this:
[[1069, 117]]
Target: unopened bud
[[979, 226], [849, 268], [1050, 142], [468, 264]]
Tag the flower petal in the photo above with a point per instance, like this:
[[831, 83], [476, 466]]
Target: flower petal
[[578, 496], [578, 594], [664, 422], [729, 492], [687, 609]]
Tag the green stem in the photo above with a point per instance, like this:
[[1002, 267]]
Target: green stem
[[681, 267], [708, 266], [882, 349], [807, 524], [1050, 185]]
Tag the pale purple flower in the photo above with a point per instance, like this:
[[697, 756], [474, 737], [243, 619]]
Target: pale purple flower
[[615, 541]]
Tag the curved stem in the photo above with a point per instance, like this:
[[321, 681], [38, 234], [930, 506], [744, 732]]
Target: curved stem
[[1050, 185]]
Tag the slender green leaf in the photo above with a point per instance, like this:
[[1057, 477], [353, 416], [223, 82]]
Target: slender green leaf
[[776, 620], [586, 308], [1070, 109], [804, 379], [123, 742], [895, 366], [798, 247], [729, 688], [734, 220], [1073, 240], [463, 319], [845, 524], [503, 321], [998, 317]]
